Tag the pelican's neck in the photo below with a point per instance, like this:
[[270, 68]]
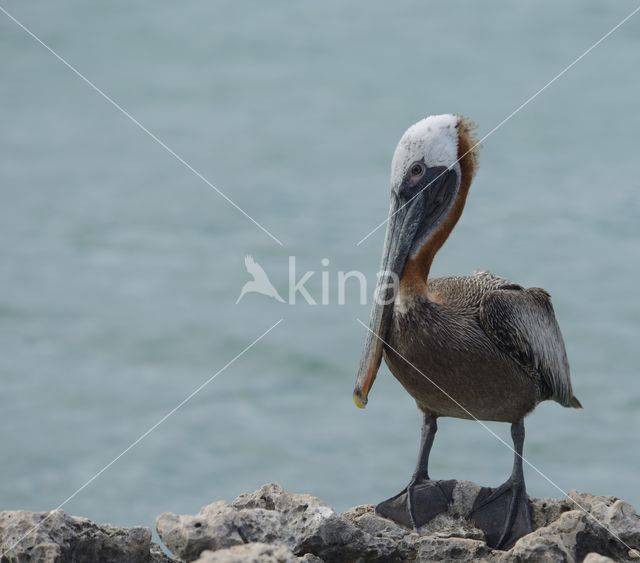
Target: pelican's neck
[[414, 282]]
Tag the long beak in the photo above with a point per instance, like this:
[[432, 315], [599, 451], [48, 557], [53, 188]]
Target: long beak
[[407, 222], [401, 230]]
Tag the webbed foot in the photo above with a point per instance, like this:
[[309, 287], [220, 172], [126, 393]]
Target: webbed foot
[[503, 514], [418, 503]]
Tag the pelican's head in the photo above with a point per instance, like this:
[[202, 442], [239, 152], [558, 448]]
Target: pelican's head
[[431, 172]]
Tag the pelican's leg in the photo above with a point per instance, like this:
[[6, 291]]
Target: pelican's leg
[[503, 513], [428, 435], [422, 499]]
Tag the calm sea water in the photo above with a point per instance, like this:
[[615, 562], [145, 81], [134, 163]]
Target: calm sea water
[[119, 268]]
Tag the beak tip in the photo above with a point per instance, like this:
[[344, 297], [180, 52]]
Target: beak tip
[[359, 400]]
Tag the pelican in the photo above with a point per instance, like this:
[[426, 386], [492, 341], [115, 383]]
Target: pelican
[[476, 347]]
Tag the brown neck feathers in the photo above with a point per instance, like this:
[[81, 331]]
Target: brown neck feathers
[[416, 271]]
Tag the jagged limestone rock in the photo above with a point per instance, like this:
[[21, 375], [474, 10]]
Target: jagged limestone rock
[[271, 523], [300, 522], [274, 526], [55, 537], [255, 553]]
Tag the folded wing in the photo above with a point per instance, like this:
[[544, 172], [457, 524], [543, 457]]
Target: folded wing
[[522, 323]]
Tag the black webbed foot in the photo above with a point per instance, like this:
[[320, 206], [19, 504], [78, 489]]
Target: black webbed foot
[[503, 514], [418, 503]]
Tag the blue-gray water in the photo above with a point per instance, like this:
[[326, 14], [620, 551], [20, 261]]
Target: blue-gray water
[[119, 268]]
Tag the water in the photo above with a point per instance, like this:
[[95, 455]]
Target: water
[[120, 269]]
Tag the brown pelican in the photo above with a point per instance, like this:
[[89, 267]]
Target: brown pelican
[[473, 347]]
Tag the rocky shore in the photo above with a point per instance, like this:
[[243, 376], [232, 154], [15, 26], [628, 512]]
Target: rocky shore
[[274, 526]]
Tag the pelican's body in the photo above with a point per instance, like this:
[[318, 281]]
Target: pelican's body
[[473, 347], [452, 334]]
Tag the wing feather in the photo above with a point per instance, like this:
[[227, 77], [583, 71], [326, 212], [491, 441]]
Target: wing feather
[[523, 324]]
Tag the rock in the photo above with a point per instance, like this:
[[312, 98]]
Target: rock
[[585, 524], [274, 526], [271, 525], [53, 537], [159, 556], [302, 523], [453, 549], [597, 558], [188, 536], [255, 553]]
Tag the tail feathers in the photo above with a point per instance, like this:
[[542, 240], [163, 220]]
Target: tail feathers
[[573, 402]]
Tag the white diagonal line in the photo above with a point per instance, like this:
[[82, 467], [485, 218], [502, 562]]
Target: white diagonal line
[[142, 127], [143, 436], [631, 550], [513, 113]]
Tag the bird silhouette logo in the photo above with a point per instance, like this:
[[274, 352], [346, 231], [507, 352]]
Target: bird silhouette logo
[[260, 282]]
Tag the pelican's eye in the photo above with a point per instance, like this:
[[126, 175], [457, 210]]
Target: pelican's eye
[[417, 170]]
